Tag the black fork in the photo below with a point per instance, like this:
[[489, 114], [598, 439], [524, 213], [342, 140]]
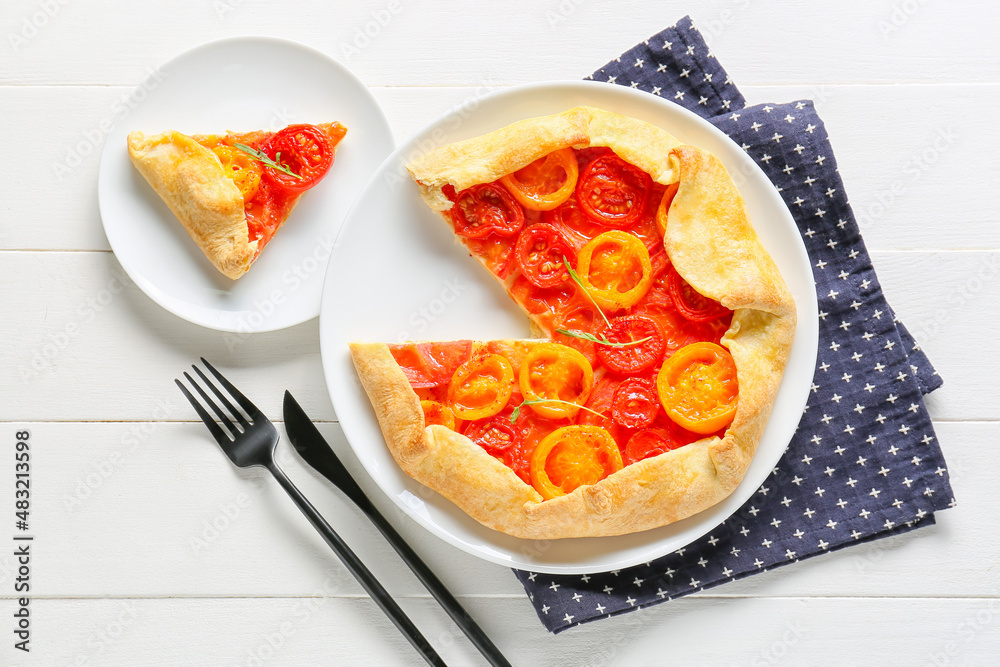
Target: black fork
[[251, 442]]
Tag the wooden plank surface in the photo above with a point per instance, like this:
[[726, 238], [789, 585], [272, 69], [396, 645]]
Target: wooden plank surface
[[154, 550], [762, 41], [201, 515], [340, 631]]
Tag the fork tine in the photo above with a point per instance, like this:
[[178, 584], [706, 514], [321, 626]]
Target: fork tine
[[223, 417], [244, 402], [222, 397], [216, 430]]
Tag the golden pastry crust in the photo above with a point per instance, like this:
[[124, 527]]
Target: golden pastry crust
[[713, 246], [190, 180], [487, 158]]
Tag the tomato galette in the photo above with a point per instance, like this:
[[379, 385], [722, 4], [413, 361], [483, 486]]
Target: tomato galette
[[232, 192], [665, 329]]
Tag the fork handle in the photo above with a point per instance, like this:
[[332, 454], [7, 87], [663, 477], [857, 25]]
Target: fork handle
[[359, 570]]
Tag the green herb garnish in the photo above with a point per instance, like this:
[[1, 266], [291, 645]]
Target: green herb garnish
[[603, 340], [576, 278], [517, 410], [262, 157]]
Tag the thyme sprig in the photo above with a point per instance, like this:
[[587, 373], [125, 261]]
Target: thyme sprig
[[576, 278], [603, 340], [263, 158], [534, 401]]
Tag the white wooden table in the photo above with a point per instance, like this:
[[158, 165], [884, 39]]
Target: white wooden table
[[152, 549]]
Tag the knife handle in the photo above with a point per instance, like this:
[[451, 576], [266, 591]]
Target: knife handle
[[325, 461], [437, 589]]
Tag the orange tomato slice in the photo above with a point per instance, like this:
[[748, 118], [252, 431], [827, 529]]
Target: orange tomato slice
[[243, 170], [664, 207], [437, 413], [481, 387], [559, 377], [615, 269], [571, 457], [698, 388], [545, 183]]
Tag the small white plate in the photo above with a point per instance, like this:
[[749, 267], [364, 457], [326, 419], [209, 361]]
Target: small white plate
[[245, 83], [397, 274]]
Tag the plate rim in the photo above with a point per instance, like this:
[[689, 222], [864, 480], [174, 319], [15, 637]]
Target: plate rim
[[807, 333], [195, 312]]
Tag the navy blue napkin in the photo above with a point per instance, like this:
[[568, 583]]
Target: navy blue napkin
[[864, 462]]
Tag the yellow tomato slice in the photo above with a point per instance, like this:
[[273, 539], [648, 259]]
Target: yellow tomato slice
[[615, 269], [558, 376], [481, 387], [244, 171], [698, 387], [664, 208], [572, 456], [437, 413], [545, 183]]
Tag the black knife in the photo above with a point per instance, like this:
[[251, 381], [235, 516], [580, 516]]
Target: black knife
[[314, 449]]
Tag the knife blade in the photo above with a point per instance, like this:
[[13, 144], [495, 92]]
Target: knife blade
[[316, 451]]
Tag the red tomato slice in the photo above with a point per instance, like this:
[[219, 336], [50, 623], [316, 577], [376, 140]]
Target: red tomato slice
[[495, 435], [496, 253], [269, 208], [576, 226], [486, 209], [679, 331], [539, 253], [660, 263], [518, 459], [662, 436], [515, 352], [530, 429], [537, 300], [645, 227], [305, 149], [579, 315], [613, 192], [584, 156], [601, 400], [631, 359], [430, 364], [690, 303], [635, 403], [645, 444]]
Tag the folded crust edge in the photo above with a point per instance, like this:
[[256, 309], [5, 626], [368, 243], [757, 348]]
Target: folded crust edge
[[190, 181], [713, 245]]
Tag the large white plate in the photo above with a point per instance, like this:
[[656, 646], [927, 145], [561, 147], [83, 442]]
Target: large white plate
[[397, 274], [245, 83]]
